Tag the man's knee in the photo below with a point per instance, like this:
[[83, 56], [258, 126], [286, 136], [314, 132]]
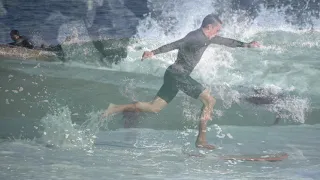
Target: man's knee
[[158, 104], [155, 109], [207, 97], [211, 100]]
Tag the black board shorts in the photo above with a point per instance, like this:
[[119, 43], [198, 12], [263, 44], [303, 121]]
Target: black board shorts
[[173, 82]]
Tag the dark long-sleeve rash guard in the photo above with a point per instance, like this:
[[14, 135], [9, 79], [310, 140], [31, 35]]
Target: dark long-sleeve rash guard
[[191, 48], [23, 42]]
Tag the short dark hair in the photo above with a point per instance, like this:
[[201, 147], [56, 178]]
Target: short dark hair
[[14, 32], [211, 19]]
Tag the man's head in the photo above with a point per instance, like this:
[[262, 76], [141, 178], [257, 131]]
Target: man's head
[[14, 35], [211, 25]]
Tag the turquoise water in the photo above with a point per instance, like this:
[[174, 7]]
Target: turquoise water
[[161, 154]]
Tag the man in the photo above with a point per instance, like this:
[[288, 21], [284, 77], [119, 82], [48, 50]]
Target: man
[[20, 40], [177, 76]]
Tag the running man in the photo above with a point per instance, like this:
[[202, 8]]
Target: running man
[[177, 76]]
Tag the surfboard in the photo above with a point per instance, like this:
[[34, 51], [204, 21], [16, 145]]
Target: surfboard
[[249, 157], [21, 53], [257, 157]]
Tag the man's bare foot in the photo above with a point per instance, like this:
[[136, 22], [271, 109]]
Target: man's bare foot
[[109, 110], [205, 145]]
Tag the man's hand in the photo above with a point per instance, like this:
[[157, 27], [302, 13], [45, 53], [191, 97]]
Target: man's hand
[[253, 44], [147, 54]]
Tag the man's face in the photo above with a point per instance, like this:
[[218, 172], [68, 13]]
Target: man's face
[[214, 29], [14, 37]]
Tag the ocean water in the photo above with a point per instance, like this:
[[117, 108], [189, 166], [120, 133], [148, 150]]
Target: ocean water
[[49, 111]]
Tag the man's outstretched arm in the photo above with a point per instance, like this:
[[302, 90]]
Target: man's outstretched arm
[[164, 48], [232, 42], [169, 47]]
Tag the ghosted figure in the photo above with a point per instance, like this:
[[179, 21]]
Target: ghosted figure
[[264, 96], [109, 23]]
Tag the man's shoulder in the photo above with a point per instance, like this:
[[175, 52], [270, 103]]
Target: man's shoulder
[[194, 35], [24, 38], [25, 42], [194, 32]]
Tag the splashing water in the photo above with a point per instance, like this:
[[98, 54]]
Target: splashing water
[[59, 131]]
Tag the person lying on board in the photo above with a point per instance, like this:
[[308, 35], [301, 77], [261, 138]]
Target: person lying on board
[[177, 76], [20, 40]]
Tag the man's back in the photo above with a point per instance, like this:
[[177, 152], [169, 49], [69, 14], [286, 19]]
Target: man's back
[[190, 51]]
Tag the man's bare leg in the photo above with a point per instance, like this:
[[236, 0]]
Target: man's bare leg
[[207, 109], [155, 106]]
